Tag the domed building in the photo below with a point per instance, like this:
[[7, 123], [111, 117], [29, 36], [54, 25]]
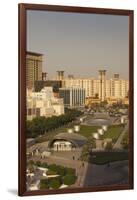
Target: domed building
[[67, 142]]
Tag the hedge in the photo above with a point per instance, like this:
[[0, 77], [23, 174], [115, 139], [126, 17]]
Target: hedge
[[44, 184], [69, 179], [54, 183]]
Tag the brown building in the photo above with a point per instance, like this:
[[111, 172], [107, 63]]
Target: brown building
[[33, 68]]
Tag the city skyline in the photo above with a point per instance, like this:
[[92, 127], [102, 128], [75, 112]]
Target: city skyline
[[96, 77], [100, 41], [105, 88]]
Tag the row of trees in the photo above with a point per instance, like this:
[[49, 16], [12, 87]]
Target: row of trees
[[40, 125], [55, 183]]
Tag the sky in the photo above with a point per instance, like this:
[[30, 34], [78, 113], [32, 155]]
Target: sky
[[79, 44]]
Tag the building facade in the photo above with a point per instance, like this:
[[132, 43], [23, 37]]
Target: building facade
[[73, 97], [48, 83], [101, 88], [33, 68], [102, 85], [43, 103]]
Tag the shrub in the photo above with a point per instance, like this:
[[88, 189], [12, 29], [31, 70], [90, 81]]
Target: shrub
[[38, 163], [61, 170], [54, 183], [44, 184], [69, 179], [70, 171], [53, 167], [31, 162], [45, 165], [51, 172]]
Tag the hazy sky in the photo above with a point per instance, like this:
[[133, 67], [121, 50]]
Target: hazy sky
[[79, 44]]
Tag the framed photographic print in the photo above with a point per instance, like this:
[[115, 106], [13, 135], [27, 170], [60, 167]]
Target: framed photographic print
[[75, 99]]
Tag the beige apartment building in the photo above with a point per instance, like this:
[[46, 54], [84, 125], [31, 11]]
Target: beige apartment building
[[102, 88], [86, 84]]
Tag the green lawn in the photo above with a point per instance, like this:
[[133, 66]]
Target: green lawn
[[113, 132], [100, 158], [84, 130], [88, 130]]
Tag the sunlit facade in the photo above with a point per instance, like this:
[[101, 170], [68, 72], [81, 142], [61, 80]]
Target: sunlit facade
[[43, 103], [101, 88]]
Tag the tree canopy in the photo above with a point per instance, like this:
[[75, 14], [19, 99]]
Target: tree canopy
[[40, 125]]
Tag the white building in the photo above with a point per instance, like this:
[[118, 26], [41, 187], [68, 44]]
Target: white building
[[43, 103]]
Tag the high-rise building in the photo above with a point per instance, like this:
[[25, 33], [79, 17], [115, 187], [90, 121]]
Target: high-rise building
[[73, 97], [44, 76], [60, 75], [116, 76], [119, 88], [102, 88], [33, 68], [70, 76], [86, 84], [102, 84], [108, 88]]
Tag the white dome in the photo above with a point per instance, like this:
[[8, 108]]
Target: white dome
[[96, 135], [101, 131]]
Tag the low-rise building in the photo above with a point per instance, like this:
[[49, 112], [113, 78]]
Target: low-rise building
[[43, 103], [67, 142]]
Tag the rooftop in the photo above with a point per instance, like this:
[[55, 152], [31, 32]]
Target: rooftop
[[33, 53], [74, 138]]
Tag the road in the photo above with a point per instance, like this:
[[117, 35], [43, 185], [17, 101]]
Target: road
[[116, 173]]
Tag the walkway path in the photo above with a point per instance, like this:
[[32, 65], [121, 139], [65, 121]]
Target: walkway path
[[117, 145], [81, 173]]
